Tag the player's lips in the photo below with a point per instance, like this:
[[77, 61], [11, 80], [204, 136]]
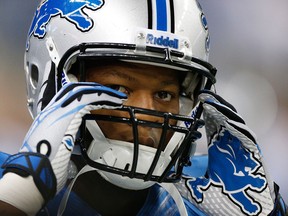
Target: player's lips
[[147, 141]]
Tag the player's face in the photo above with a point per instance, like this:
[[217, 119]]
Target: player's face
[[146, 86]]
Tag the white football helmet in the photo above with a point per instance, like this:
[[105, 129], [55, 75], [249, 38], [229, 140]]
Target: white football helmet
[[166, 33]]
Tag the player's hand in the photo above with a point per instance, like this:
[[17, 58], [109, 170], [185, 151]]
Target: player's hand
[[236, 182], [53, 132]]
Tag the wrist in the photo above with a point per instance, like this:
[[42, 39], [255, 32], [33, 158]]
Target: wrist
[[20, 192]]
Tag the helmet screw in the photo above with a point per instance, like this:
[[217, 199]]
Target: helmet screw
[[141, 36], [186, 44], [51, 47], [30, 102]]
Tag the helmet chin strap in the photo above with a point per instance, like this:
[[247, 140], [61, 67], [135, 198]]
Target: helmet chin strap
[[64, 200], [175, 194], [118, 154]]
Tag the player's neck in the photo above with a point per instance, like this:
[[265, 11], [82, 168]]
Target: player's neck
[[108, 199]]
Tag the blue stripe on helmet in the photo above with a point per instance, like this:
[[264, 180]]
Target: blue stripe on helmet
[[161, 9]]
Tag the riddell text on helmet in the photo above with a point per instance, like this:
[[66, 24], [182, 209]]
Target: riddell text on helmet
[[162, 41]]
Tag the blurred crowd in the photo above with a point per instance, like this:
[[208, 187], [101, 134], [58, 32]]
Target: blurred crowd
[[248, 46]]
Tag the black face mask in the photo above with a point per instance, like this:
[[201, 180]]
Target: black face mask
[[88, 52]]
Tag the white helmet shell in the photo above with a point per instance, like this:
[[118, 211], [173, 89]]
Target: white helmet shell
[[59, 25]]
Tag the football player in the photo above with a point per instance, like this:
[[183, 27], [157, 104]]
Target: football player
[[117, 90]]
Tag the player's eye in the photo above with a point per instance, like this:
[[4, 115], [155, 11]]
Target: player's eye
[[164, 96]]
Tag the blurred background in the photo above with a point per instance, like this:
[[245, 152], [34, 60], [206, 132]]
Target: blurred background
[[249, 47]]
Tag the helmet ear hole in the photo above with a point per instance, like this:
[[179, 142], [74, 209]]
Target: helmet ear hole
[[34, 76]]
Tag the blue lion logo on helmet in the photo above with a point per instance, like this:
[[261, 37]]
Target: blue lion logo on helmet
[[236, 172], [72, 11]]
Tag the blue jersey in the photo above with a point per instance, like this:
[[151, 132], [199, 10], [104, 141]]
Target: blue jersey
[[3, 157], [158, 201]]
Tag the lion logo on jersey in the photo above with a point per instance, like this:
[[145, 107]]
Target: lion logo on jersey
[[235, 170], [71, 10]]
